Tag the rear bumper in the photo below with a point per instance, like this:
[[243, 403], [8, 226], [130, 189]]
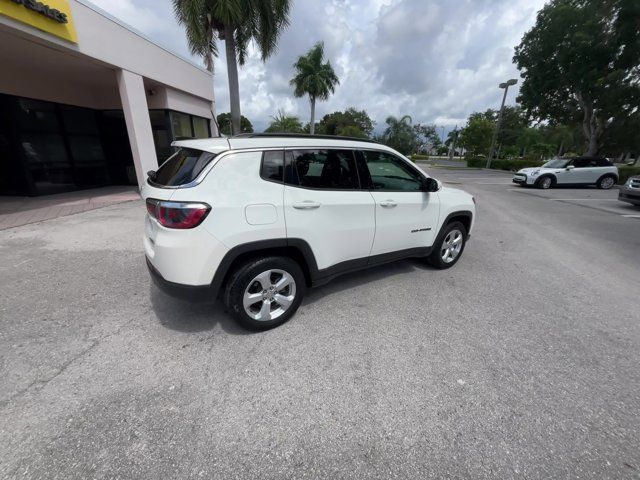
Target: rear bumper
[[629, 195], [192, 293]]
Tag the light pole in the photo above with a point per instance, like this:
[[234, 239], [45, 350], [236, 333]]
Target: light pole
[[505, 86]]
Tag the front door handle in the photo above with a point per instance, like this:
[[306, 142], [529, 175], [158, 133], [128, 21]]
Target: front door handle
[[306, 205], [388, 204]]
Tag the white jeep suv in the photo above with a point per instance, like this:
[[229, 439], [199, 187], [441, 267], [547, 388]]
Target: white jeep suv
[[259, 218], [570, 171]]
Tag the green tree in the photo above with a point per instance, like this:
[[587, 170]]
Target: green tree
[[224, 123], [352, 131], [400, 135], [238, 23], [314, 78], [351, 120], [475, 137], [427, 136], [283, 123], [580, 63]]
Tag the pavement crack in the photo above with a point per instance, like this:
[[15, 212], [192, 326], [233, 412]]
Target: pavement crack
[[41, 383]]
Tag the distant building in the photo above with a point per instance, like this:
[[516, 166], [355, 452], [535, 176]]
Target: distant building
[[87, 101]]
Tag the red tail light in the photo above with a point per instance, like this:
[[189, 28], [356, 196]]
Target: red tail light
[[177, 214]]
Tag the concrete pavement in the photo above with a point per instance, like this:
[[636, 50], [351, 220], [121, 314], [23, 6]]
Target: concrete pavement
[[519, 362]]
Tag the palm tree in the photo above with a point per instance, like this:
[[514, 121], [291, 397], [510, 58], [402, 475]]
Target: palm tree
[[400, 135], [238, 23], [283, 123], [314, 78]]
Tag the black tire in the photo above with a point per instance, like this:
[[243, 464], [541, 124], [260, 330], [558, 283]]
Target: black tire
[[604, 183], [545, 182], [242, 278], [436, 258]]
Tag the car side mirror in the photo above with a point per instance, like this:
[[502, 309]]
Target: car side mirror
[[430, 185], [570, 167]]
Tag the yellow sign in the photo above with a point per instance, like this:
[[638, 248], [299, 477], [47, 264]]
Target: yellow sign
[[51, 16]]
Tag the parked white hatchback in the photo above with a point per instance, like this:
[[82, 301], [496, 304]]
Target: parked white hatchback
[[259, 218], [570, 171]]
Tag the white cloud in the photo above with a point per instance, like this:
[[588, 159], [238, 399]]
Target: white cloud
[[437, 60]]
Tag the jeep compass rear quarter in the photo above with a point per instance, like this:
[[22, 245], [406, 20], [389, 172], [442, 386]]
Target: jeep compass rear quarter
[[259, 219]]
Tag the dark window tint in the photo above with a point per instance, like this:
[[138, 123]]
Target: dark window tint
[[389, 173], [272, 165], [183, 167], [603, 162], [583, 162], [330, 169]]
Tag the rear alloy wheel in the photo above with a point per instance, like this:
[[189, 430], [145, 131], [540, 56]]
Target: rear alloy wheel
[[544, 183], [449, 246], [265, 293], [606, 182]]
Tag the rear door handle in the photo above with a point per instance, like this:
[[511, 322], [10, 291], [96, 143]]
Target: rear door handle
[[388, 204], [306, 205]]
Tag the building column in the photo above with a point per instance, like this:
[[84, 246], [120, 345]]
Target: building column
[[136, 115]]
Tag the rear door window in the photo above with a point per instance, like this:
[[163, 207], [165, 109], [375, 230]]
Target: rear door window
[[182, 167], [322, 169]]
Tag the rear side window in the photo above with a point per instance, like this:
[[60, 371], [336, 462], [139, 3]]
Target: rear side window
[[603, 162], [322, 169], [182, 167], [273, 165]]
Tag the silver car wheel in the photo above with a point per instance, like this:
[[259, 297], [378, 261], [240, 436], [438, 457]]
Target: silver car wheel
[[451, 246], [269, 295], [545, 183], [607, 183]]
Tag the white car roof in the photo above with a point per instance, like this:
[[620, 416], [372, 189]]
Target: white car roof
[[241, 142]]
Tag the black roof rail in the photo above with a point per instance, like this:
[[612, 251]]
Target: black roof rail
[[302, 135]]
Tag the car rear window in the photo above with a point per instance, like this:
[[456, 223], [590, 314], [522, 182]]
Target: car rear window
[[182, 167]]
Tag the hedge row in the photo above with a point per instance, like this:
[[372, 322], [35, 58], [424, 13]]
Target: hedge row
[[418, 156], [626, 172], [509, 165]]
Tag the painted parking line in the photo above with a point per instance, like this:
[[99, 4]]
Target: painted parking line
[[631, 216], [585, 199]]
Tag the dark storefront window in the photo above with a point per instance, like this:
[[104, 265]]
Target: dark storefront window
[[200, 127], [49, 148], [181, 125], [53, 148], [168, 125], [47, 162]]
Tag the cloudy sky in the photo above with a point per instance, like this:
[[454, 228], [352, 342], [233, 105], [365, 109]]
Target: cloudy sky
[[435, 60]]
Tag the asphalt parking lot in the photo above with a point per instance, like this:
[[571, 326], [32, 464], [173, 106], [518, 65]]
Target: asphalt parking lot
[[520, 362]]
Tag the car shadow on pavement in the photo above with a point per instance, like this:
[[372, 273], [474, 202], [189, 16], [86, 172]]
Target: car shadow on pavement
[[362, 277], [192, 317]]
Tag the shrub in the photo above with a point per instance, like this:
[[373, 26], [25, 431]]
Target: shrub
[[418, 156], [509, 165], [626, 172]]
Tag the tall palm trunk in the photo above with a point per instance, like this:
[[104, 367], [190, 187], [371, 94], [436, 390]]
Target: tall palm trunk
[[232, 71], [312, 126]]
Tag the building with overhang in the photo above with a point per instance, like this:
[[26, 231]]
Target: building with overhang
[[87, 101]]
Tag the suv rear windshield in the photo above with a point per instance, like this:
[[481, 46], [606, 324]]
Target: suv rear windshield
[[182, 167]]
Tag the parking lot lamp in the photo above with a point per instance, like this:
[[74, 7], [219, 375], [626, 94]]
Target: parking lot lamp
[[504, 86]]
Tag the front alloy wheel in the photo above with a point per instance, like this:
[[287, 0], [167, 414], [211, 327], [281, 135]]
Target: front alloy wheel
[[449, 246], [452, 246], [545, 183]]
